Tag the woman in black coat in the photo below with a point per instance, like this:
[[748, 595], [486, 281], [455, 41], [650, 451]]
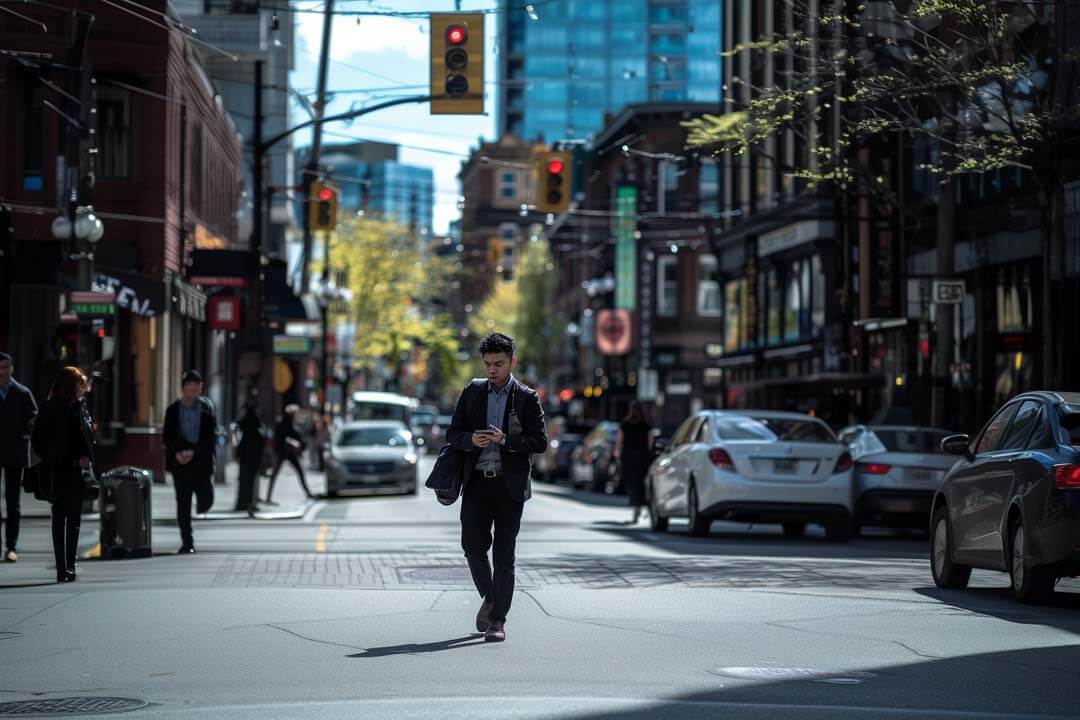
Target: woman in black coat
[[62, 439], [249, 452], [288, 444], [633, 448]]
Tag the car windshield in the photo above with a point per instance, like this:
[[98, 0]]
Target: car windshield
[[911, 441], [423, 418], [791, 430], [384, 436]]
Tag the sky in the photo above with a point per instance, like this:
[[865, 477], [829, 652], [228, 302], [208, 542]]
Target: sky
[[387, 55]]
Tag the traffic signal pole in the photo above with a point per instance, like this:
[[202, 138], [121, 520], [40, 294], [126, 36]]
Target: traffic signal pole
[[311, 168]]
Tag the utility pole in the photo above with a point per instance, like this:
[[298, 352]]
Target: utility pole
[[312, 167]]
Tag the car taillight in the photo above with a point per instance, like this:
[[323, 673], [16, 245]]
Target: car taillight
[[1067, 476], [843, 463], [721, 459], [875, 468]]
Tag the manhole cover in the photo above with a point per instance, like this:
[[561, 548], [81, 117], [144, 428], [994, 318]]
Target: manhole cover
[[71, 706], [834, 677], [435, 574]]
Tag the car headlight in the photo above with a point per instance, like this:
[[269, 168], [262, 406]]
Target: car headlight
[[410, 458]]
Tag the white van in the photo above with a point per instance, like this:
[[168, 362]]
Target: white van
[[369, 405]]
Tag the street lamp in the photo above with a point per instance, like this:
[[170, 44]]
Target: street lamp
[[87, 226]]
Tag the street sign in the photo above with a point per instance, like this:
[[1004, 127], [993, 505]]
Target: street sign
[[948, 292], [93, 304], [289, 345]]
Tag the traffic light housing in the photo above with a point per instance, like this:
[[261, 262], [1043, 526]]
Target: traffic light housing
[[322, 206], [552, 172], [457, 63]]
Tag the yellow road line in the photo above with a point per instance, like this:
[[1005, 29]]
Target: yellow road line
[[94, 552], [320, 538]]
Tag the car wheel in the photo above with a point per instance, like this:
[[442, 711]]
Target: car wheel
[[794, 529], [1029, 584], [838, 530], [699, 524], [947, 574], [657, 522]]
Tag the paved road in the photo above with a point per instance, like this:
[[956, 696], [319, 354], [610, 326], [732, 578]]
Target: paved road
[[363, 607]]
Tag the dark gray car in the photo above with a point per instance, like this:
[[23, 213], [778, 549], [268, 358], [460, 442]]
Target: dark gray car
[[1012, 502]]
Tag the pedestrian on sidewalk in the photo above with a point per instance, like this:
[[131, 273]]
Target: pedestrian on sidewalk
[[63, 440], [633, 451], [17, 413], [249, 451], [288, 444], [189, 438], [499, 422]]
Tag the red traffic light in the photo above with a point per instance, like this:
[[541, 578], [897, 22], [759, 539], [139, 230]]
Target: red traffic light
[[555, 167], [326, 194], [456, 35]]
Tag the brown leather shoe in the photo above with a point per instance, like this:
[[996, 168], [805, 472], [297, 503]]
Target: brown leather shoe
[[482, 619], [496, 632]]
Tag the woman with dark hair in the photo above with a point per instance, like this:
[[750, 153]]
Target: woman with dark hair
[[62, 439], [288, 444], [633, 449]]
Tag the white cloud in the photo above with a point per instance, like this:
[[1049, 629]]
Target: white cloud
[[387, 35]]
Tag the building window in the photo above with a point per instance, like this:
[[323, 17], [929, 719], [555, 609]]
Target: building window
[[708, 289], [114, 132], [1072, 226], [774, 299], [734, 328], [508, 185], [709, 187], [667, 286], [197, 171], [33, 146], [817, 307], [231, 7]]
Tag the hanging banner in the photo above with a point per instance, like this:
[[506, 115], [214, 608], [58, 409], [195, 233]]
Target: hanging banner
[[613, 331], [625, 222]]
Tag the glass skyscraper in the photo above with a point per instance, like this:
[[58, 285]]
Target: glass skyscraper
[[566, 63]]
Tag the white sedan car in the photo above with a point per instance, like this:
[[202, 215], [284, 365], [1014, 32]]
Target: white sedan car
[[753, 466]]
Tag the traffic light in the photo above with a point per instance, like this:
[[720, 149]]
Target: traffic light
[[553, 181], [457, 63], [322, 206], [494, 251]]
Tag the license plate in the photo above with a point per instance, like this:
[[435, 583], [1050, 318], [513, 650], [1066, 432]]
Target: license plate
[[784, 466], [926, 476]]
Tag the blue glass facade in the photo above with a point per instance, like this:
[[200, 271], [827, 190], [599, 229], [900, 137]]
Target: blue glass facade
[[387, 188], [560, 73]]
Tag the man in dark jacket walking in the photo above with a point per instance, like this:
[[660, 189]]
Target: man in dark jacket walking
[[499, 422], [189, 437], [17, 413], [250, 453]]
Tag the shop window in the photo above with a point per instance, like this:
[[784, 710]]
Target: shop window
[[667, 286], [508, 185], [1014, 302], [817, 306], [775, 301], [792, 302], [734, 329], [1072, 225], [708, 290], [709, 187]]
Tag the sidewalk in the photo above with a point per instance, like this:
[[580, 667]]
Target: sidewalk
[[290, 499]]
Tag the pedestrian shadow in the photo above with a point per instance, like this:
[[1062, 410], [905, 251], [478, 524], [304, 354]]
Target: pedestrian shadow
[[415, 649]]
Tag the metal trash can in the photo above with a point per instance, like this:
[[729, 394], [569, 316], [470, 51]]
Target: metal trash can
[[125, 513]]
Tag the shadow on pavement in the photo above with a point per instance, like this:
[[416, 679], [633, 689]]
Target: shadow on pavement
[[414, 649], [1011, 684], [1059, 611]]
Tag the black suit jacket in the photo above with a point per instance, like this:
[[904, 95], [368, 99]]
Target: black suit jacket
[[470, 414], [205, 447], [17, 414]]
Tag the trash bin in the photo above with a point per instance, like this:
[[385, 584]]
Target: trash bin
[[125, 513]]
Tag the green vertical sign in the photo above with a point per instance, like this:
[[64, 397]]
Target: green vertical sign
[[625, 247]]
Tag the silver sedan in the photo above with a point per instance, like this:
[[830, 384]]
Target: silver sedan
[[371, 457], [753, 466]]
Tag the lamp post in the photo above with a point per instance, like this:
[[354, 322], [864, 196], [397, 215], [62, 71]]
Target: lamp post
[[326, 293], [87, 229]]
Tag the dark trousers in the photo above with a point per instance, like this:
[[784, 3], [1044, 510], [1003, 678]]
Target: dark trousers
[[245, 487], [12, 488], [293, 460], [187, 483], [66, 522], [487, 503]]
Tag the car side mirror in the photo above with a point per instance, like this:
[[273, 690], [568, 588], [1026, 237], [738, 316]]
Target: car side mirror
[[660, 445], [958, 445]]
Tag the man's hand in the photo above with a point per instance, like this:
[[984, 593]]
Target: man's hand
[[481, 439], [184, 456], [496, 435]]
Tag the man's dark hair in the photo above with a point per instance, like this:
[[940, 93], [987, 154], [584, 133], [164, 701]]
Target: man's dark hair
[[4, 357], [497, 343], [190, 376]]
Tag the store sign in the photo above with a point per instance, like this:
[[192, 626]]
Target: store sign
[[142, 296], [948, 292], [93, 304], [625, 227], [224, 313], [289, 345], [793, 235], [189, 302], [613, 331]]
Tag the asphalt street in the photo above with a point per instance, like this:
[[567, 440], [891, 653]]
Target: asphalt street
[[363, 607]]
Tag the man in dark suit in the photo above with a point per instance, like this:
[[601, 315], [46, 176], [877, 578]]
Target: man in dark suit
[[189, 437], [499, 422], [17, 413]]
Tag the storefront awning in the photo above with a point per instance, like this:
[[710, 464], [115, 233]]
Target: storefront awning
[[279, 300], [139, 294]]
